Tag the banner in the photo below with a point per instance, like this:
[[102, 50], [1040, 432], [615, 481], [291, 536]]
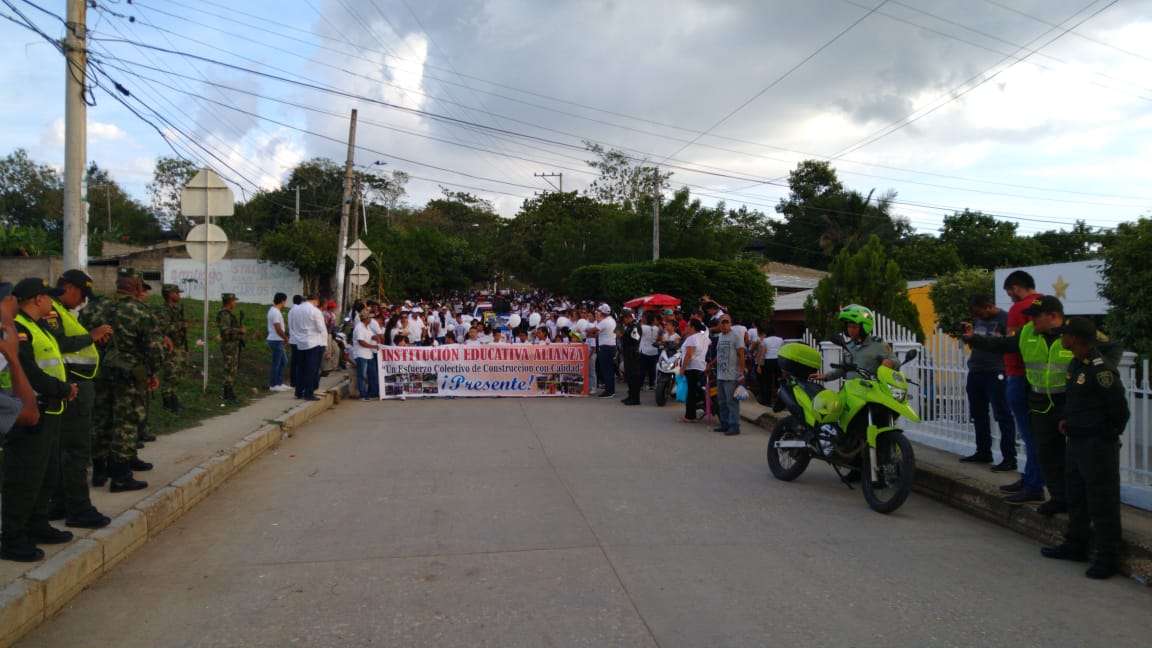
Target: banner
[[252, 280], [1076, 284], [519, 370]]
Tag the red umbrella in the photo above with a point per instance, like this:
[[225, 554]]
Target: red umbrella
[[653, 301]]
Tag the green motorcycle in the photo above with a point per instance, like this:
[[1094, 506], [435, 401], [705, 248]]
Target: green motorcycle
[[851, 429]]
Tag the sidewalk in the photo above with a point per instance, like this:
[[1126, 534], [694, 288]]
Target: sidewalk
[[975, 489], [189, 464]]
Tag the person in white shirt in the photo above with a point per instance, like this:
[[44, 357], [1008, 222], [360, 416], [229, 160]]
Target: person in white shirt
[[313, 342], [416, 326], [277, 338], [649, 333], [769, 365], [364, 347], [695, 349], [605, 331], [297, 357]]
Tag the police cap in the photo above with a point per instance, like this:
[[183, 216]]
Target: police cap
[[1045, 304], [227, 297], [1078, 327], [33, 287], [77, 278]]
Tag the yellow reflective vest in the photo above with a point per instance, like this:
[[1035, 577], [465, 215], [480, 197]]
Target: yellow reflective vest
[[85, 363], [47, 351], [1045, 365]]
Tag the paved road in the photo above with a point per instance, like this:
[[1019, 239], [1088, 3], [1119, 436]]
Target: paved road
[[575, 522]]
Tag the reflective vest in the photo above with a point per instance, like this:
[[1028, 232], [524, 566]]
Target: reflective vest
[[85, 362], [1045, 365], [47, 352]]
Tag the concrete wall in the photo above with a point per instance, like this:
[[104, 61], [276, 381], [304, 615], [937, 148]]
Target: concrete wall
[[50, 268]]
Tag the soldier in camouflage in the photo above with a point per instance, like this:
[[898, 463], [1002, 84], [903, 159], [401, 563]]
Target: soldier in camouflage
[[143, 435], [231, 342], [175, 328], [130, 363]]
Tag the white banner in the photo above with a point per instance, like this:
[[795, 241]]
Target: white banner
[[252, 280], [519, 370], [1076, 284]]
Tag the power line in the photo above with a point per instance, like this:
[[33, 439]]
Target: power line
[[1075, 33]]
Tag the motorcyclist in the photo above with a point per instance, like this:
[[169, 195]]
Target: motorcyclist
[[868, 351]]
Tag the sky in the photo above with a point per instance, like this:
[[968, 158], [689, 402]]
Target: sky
[[1036, 111]]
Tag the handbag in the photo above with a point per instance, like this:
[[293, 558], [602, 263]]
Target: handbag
[[681, 388]]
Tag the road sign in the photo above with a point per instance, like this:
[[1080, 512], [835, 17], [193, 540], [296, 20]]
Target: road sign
[[206, 243], [358, 276], [358, 252], [206, 195]]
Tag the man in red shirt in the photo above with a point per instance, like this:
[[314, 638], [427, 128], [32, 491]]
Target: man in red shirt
[[1021, 289]]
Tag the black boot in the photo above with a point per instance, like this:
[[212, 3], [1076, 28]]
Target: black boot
[[147, 437], [49, 534], [172, 404], [229, 394], [89, 519], [99, 472], [121, 479], [138, 465], [56, 510], [1065, 551], [22, 551]]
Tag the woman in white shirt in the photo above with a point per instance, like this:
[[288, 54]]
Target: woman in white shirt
[[770, 365], [695, 361], [649, 334]]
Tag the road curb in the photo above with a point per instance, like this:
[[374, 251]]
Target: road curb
[[984, 500], [33, 598]]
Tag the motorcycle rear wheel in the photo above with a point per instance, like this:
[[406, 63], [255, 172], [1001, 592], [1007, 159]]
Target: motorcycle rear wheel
[[787, 464], [662, 390], [895, 472]]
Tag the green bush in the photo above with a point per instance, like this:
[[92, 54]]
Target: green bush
[[952, 293], [1128, 285], [739, 285]]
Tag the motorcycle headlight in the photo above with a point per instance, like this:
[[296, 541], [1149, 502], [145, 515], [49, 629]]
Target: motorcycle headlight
[[899, 394]]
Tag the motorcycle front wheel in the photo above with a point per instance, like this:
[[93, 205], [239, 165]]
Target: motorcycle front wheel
[[787, 464], [895, 471], [662, 389]]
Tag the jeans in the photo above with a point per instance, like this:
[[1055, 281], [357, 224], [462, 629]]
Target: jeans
[[729, 406], [276, 372], [986, 388], [695, 397], [649, 363], [308, 380], [1016, 391], [366, 376], [606, 369]]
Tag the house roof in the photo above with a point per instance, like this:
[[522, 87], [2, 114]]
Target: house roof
[[785, 275], [792, 301]]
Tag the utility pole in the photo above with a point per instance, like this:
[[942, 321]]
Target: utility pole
[[75, 134], [656, 198], [345, 210], [297, 204], [547, 178]]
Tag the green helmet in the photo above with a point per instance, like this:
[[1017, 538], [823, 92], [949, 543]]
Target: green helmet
[[857, 314]]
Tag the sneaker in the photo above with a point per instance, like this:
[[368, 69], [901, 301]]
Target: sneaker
[[49, 534], [979, 457], [1065, 551], [1052, 507], [1014, 487], [1008, 465], [606, 395], [90, 519], [1024, 497], [733, 432], [720, 429], [1102, 570]]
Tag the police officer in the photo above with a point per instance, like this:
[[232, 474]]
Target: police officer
[[175, 329], [630, 351], [129, 366], [231, 341], [1094, 417], [868, 351], [28, 450], [69, 468]]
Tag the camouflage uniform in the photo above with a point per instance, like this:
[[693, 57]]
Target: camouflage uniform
[[231, 341], [132, 357], [174, 326]]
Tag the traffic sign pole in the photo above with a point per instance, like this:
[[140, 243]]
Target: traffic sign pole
[[205, 196]]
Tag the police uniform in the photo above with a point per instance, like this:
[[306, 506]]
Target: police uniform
[[231, 341], [868, 354], [633, 368], [69, 469], [28, 450], [1095, 414]]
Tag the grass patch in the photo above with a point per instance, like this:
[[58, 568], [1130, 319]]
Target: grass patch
[[251, 377]]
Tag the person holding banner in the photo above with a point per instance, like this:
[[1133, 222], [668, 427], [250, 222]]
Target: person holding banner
[[605, 332], [364, 348]]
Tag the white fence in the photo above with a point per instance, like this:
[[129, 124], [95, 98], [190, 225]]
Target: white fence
[[941, 373]]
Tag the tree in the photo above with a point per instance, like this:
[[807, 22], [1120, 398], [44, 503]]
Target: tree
[[1128, 285], [168, 180], [309, 249], [114, 215], [921, 256], [821, 218], [986, 242], [952, 293], [31, 194], [623, 181], [419, 262], [867, 277], [1077, 244]]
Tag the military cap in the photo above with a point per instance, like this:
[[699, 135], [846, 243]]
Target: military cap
[[227, 297], [33, 287], [1078, 327], [1045, 304], [77, 278], [127, 272], [170, 288]]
